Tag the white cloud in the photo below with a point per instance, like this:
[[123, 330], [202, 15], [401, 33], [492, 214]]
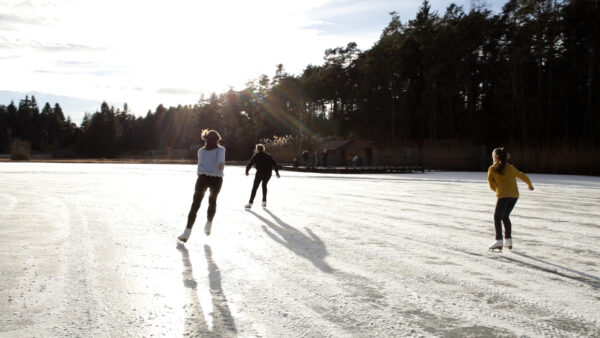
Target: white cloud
[[132, 50]]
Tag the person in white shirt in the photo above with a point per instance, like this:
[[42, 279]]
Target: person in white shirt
[[211, 162]]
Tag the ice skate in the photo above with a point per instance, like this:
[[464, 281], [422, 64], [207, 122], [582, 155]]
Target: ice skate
[[185, 235], [264, 204], [497, 245], [207, 227], [508, 243], [248, 206]]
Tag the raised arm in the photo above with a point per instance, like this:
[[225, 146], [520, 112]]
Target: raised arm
[[275, 166], [523, 178]]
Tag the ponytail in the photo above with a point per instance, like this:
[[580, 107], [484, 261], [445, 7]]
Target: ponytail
[[502, 159]]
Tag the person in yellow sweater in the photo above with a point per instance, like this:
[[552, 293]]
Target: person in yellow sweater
[[502, 178]]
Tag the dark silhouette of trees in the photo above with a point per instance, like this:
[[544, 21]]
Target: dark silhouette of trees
[[528, 75]]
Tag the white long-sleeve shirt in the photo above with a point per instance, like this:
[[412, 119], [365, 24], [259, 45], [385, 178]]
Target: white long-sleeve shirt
[[209, 161]]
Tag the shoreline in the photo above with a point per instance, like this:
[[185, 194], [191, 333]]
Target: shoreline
[[114, 161], [104, 160]]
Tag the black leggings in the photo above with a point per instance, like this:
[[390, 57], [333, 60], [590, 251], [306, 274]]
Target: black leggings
[[258, 178], [202, 183], [503, 208]]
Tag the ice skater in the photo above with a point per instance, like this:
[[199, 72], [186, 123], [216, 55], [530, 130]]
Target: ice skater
[[211, 162], [264, 164], [502, 178]]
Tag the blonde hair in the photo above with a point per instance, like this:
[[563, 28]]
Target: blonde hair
[[260, 147]]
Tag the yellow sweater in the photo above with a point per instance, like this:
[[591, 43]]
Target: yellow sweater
[[505, 185]]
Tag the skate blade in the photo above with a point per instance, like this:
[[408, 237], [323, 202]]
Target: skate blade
[[495, 249]]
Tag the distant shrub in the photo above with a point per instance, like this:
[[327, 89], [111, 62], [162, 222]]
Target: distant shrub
[[68, 152], [454, 155], [560, 157], [285, 148], [20, 150]]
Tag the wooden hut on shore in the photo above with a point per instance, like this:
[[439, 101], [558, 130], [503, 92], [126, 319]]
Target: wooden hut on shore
[[351, 152]]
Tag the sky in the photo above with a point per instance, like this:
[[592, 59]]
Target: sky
[[152, 52]]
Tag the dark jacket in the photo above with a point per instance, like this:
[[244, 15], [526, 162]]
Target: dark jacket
[[263, 162]]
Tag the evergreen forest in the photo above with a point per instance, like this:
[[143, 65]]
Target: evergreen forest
[[527, 77]]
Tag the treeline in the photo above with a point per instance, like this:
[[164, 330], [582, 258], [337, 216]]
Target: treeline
[[46, 130], [528, 76]]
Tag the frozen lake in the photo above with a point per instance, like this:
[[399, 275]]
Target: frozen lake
[[91, 250]]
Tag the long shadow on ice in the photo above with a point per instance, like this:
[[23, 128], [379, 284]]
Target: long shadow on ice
[[195, 324], [310, 247], [585, 278], [221, 313]]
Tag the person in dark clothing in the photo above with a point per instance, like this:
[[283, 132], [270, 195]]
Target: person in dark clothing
[[324, 157], [264, 164], [317, 162], [305, 156]]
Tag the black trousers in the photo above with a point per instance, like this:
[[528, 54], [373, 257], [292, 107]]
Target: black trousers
[[258, 179], [503, 208], [202, 184]]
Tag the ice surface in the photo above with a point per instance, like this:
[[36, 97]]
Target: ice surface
[[90, 250]]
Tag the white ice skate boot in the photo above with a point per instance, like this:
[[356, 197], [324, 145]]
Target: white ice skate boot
[[497, 245], [207, 227], [248, 206], [264, 204], [185, 235], [508, 243]]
